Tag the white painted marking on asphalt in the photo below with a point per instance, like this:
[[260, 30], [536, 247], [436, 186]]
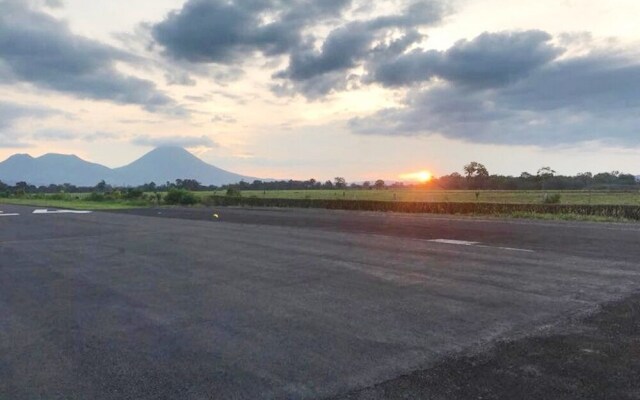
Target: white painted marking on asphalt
[[61, 212], [458, 242], [507, 248], [2, 214], [477, 244]]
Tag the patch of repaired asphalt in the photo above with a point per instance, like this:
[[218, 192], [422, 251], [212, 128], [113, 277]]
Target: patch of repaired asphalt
[[597, 358]]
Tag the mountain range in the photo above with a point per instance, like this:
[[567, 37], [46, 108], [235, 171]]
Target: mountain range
[[159, 165]]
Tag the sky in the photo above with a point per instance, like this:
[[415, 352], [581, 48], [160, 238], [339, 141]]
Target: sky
[[322, 88]]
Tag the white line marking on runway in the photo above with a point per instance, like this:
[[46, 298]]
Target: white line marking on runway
[[458, 242], [2, 214], [507, 248], [477, 244], [60, 212]]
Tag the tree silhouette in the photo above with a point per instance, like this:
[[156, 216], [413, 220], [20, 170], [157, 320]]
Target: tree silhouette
[[476, 174]]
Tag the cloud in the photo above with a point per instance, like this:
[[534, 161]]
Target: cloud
[[491, 59], [316, 72], [224, 119], [181, 141], [340, 51], [534, 100], [54, 3], [10, 113], [223, 32], [229, 32], [56, 135], [40, 49], [180, 78], [9, 142], [100, 136]]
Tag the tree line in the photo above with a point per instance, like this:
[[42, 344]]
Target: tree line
[[475, 176]]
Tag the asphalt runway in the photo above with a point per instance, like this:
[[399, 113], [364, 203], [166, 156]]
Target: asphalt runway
[[295, 304]]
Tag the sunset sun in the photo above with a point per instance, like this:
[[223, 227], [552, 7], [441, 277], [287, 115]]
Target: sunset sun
[[424, 176], [420, 176]]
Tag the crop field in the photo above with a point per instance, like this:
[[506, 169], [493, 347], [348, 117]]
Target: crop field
[[594, 205], [74, 203], [453, 196]]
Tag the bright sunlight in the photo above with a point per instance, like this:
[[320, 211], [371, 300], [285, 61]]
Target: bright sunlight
[[420, 176]]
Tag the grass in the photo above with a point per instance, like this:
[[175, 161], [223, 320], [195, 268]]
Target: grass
[[454, 196], [563, 217], [73, 204], [631, 198]]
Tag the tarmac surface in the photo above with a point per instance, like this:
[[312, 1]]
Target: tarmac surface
[[175, 303]]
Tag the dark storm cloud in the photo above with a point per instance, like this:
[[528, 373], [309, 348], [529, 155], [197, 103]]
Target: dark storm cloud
[[416, 13], [182, 141], [39, 49], [318, 72], [227, 32], [491, 59], [341, 49], [315, 74], [556, 102], [217, 31]]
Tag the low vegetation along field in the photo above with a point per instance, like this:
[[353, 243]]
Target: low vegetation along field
[[590, 205], [453, 196], [78, 202]]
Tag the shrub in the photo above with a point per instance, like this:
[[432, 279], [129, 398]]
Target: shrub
[[60, 196], [95, 196], [231, 192], [180, 196], [609, 211], [133, 194], [552, 199], [115, 195]]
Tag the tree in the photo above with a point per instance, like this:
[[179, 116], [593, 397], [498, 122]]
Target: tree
[[476, 173], [188, 184], [366, 185], [101, 187], [379, 184], [525, 175], [546, 172], [340, 182], [475, 169], [584, 178]]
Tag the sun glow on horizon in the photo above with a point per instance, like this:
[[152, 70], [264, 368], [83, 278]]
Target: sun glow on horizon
[[420, 176]]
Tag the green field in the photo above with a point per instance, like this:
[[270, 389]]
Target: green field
[[453, 196], [80, 201], [72, 204]]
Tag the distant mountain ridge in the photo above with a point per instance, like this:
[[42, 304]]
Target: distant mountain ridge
[[163, 164]]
